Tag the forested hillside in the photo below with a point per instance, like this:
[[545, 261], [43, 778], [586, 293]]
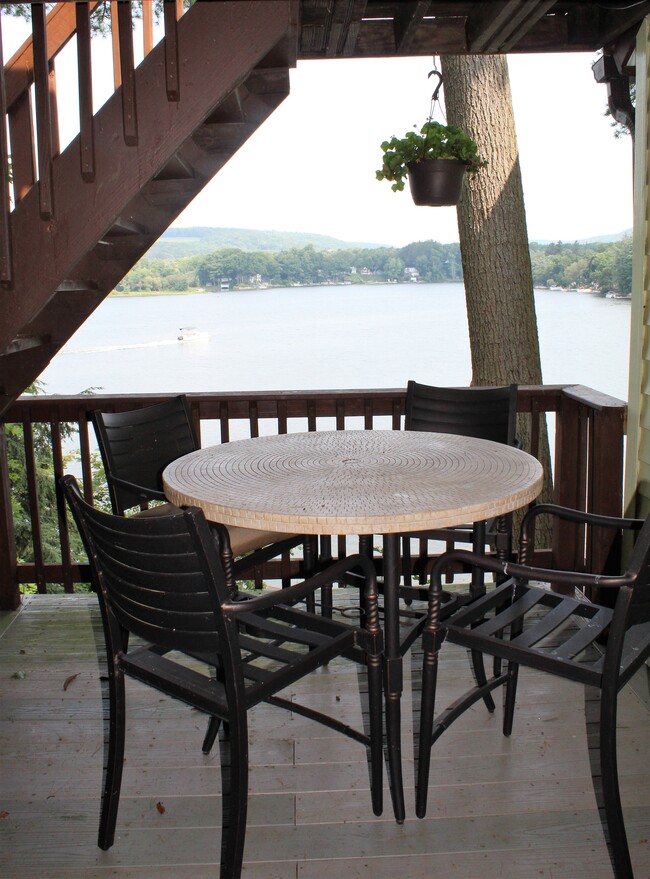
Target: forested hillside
[[601, 266]]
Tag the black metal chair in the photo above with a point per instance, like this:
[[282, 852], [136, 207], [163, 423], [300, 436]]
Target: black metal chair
[[486, 413], [160, 579], [136, 446], [564, 635]]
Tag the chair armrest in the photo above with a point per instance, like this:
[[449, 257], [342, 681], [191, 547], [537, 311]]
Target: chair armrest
[[258, 556], [527, 532], [292, 594], [147, 494], [518, 572], [580, 516]]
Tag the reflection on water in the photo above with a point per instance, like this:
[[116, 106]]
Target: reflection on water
[[326, 337]]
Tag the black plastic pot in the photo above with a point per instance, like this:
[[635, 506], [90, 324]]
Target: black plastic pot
[[436, 182]]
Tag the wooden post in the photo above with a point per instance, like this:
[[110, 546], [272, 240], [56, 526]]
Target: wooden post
[[5, 225], [43, 111], [84, 67], [9, 591]]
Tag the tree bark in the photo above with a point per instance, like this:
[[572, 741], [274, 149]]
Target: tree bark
[[493, 235], [492, 225]]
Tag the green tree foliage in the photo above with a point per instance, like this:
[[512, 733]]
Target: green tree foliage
[[305, 265], [603, 266]]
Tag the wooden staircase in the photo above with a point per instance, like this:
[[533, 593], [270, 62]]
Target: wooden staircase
[[219, 72]]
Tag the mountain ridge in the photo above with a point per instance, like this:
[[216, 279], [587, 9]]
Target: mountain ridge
[[194, 240], [179, 242]]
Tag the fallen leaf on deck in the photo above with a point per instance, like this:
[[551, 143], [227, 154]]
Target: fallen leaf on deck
[[161, 808], [69, 680], [18, 675], [4, 814]]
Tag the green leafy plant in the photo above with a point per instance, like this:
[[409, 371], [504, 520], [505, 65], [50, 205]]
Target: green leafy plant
[[434, 141]]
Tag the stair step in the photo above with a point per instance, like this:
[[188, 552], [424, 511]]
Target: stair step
[[269, 80], [176, 168], [76, 285], [124, 226], [24, 343], [223, 137], [128, 247], [229, 110], [171, 192]]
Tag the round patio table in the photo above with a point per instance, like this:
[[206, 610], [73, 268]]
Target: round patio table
[[358, 482]]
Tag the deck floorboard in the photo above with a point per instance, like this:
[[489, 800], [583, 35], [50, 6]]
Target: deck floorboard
[[499, 808]]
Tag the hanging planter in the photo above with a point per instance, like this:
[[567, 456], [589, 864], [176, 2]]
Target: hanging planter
[[435, 160], [436, 182]]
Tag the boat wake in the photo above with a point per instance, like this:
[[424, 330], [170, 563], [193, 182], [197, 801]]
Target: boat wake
[[100, 349]]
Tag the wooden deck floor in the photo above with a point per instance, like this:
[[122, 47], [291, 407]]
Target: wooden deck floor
[[513, 808]]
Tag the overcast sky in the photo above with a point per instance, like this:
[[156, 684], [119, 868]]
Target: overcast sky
[[311, 166]]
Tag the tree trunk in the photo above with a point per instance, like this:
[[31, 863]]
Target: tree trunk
[[493, 236], [492, 225]]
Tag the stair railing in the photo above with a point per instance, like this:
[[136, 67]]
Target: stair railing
[[25, 159]]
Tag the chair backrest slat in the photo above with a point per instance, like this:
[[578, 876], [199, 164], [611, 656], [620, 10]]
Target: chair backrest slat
[[161, 578], [486, 413], [138, 445]]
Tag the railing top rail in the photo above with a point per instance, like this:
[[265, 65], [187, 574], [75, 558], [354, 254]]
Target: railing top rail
[[58, 407]]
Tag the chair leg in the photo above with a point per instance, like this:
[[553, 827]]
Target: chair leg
[[309, 567], [478, 589], [375, 711], [510, 697], [478, 667], [427, 707], [234, 796], [211, 734], [603, 759], [113, 758]]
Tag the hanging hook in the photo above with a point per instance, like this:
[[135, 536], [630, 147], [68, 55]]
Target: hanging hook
[[434, 96]]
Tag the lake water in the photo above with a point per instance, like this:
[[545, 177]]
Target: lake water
[[325, 337]]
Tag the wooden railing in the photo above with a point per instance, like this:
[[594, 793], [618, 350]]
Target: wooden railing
[[587, 439]]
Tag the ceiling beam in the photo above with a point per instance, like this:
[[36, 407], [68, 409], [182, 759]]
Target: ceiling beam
[[498, 27], [406, 22], [343, 26], [614, 22]]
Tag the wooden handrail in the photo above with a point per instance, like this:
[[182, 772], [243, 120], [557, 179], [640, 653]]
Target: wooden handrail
[[61, 26]]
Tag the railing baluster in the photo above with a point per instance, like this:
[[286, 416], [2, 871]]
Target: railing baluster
[[282, 417], [54, 113], [6, 271], [311, 416], [127, 74], [171, 14], [9, 589], [34, 508], [253, 419], [84, 67], [147, 26], [57, 459], [43, 111], [224, 422], [86, 463], [23, 152], [367, 414], [115, 45], [340, 415]]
